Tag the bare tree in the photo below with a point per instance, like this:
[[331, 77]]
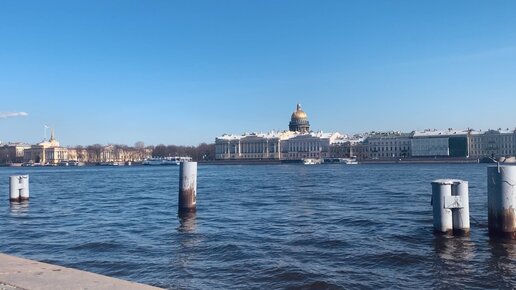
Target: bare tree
[[139, 145]]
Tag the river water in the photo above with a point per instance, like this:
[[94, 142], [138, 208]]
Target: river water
[[257, 227]]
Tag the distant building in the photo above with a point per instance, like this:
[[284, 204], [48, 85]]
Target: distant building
[[117, 153], [440, 143], [46, 152], [12, 152], [492, 143], [387, 145], [250, 146], [49, 152], [296, 144], [109, 153], [309, 145], [350, 148]]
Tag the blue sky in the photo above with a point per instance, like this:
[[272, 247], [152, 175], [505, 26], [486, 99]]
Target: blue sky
[[183, 72]]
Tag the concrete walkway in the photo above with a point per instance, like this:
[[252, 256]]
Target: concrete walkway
[[22, 274]]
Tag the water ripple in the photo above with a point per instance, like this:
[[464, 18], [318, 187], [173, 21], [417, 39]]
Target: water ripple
[[257, 227]]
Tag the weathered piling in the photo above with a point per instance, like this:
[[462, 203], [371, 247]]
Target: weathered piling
[[450, 203], [501, 200], [187, 186], [18, 188]]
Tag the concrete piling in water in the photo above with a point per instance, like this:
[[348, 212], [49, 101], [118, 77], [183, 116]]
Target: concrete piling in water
[[501, 200], [187, 187], [450, 203], [18, 188]]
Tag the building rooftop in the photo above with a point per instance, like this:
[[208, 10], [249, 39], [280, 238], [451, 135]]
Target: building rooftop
[[284, 135], [437, 133]]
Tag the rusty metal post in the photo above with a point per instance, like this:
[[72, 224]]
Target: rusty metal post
[[450, 203], [501, 200], [18, 188], [187, 186]]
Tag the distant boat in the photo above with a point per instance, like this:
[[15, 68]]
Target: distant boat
[[166, 160], [152, 161], [32, 164], [350, 161], [312, 161], [111, 163], [70, 163]]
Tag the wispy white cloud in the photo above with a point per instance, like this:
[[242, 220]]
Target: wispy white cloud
[[5, 115]]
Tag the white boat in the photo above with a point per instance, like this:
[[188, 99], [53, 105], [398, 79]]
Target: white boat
[[170, 161], [70, 163], [348, 161], [152, 161], [166, 160], [112, 163], [311, 161]]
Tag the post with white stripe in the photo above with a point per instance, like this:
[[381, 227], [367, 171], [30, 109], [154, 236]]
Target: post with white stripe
[[18, 188], [450, 203], [187, 187]]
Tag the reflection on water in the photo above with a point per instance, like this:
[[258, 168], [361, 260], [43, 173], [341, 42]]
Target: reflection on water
[[187, 222], [454, 248], [503, 259], [503, 247], [186, 253], [19, 209]]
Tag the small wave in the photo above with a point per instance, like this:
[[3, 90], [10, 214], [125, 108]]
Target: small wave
[[357, 222], [319, 243], [97, 246], [390, 259], [227, 253], [320, 285]]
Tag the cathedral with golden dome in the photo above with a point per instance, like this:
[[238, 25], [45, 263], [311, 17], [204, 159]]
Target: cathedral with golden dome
[[297, 143], [299, 121]]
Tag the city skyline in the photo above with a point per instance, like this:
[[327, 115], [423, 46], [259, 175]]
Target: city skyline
[[184, 73]]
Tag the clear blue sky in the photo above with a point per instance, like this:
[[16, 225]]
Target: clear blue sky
[[183, 72]]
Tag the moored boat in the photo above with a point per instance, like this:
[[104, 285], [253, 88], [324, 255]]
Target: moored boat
[[312, 161], [166, 160]]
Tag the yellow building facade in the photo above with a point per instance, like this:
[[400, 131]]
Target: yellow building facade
[[46, 152]]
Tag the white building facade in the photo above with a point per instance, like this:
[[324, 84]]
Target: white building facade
[[254, 146], [492, 143], [389, 145], [296, 144]]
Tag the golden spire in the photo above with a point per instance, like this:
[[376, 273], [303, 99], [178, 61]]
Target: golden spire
[[52, 135]]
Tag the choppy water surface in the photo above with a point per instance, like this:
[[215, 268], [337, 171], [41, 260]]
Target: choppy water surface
[[261, 227]]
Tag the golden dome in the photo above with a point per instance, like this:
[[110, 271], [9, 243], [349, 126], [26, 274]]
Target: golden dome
[[299, 114]]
